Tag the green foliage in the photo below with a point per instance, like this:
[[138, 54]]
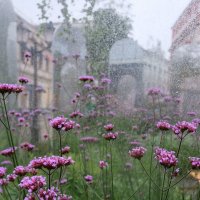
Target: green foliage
[[107, 28]]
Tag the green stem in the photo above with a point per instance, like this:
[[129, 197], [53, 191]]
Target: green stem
[[178, 181], [150, 172], [111, 170], [137, 189], [103, 187], [49, 179], [93, 191], [170, 181], [154, 113], [60, 142], [8, 193], [149, 175], [7, 133], [10, 132], [163, 183]]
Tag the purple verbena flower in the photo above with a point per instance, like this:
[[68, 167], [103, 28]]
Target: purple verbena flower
[[33, 183], [166, 158], [162, 125], [137, 152], [88, 179], [195, 162]]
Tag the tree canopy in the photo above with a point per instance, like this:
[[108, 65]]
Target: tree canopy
[[106, 28]]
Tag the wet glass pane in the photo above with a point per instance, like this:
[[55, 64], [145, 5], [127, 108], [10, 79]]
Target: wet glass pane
[[110, 87]]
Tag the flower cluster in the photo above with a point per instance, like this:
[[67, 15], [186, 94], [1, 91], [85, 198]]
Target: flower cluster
[[6, 162], [33, 183], [89, 139], [196, 121], [183, 126], [103, 164], [166, 158], [86, 78], [88, 179], [52, 194], [21, 170], [135, 143], [137, 152], [76, 114], [154, 91], [110, 136], [3, 181], [23, 80], [11, 177], [48, 194], [168, 98], [105, 80], [27, 146], [62, 123], [109, 127], [191, 114], [65, 150], [195, 162], [27, 54], [8, 152], [2, 171], [162, 125], [10, 88], [51, 162]]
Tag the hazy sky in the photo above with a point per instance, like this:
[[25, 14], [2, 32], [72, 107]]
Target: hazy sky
[[151, 18]]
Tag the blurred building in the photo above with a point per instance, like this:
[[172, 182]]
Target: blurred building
[[185, 57], [17, 37], [134, 70], [70, 53], [29, 40], [186, 29]]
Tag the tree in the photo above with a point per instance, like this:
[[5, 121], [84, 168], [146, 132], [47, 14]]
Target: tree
[[106, 28]]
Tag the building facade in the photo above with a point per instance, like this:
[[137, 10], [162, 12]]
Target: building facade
[[187, 27], [29, 40], [133, 70], [185, 57]]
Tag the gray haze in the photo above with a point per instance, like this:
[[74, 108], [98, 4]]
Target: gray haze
[[152, 19]]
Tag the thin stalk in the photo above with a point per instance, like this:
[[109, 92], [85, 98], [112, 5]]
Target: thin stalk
[[170, 181], [8, 193], [60, 142], [49, 179], [161, 139], [163, 183], [160, 111], [111, 170], [4, 195], [178, 181], [106, 182], [154, 113], [93, 191], [149, 175], [37, 196], [137, 189], [150, 172], [179, 147], [10, 132], [3, 123], [102, 176], [16, 186], [7, 133]]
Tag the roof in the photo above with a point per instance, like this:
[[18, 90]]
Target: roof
[[126, 51]]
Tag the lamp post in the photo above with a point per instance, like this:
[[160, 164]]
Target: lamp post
[[35, 126], [34, 104]]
